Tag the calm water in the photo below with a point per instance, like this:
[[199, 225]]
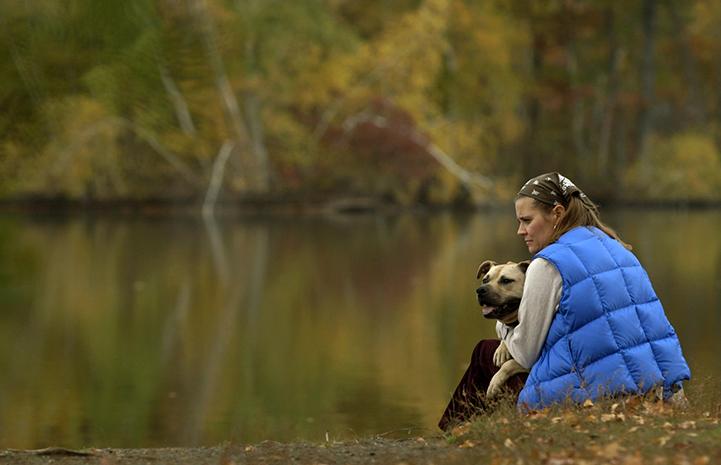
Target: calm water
[[151, 332]]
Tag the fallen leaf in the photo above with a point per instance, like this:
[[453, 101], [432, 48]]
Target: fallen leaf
[[461, 429], [467, 444], [633, 429], [611, 450], [703, 460], [249, 448], [588, 403], [663, 440], [614, 407], [538, 414], [635, 459], [556, 420], [688, 425], [508, 443], [561, 461]]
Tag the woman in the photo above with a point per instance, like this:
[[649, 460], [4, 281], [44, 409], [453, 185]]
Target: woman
[[590, 324]]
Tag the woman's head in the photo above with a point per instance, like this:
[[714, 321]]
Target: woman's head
[[550, 205]]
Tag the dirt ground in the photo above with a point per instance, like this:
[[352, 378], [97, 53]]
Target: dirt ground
[[629, 431], [370, 451]]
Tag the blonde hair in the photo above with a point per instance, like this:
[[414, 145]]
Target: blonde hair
[[578, 214]]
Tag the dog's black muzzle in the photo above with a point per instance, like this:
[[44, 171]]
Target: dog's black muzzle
[[500, 308]]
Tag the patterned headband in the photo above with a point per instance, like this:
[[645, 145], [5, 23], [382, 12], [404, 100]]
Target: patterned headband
[[554, 189]]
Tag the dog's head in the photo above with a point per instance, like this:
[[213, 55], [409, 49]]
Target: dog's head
[[502, 287]]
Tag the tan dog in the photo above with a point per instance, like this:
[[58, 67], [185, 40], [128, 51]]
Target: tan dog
[[499, 296]]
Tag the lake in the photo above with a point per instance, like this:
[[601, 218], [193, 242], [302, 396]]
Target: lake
[[165, 331]]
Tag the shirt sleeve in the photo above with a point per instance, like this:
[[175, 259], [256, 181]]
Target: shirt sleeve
[[500, 332], [541, 295]]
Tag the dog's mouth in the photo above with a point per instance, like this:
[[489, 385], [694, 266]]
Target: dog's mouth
[[496, 312]]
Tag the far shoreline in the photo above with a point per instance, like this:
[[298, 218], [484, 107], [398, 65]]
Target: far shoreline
[[297, 206]]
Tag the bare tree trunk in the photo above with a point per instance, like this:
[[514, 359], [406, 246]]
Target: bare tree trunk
[[252, 106], [67, 154], [531, 152], [216, 178], [621, 140], [717, 113], [178, 101], [255, 128], [648, 80], [258, 176], [577, 109], [612, 81], [694, 105]]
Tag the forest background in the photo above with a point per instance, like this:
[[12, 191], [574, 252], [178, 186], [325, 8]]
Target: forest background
[[406, 101]]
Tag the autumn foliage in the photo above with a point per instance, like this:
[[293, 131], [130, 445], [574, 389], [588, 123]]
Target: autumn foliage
[[134, 99]]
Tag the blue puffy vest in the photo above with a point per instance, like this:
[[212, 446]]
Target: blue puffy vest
[[610, 334]]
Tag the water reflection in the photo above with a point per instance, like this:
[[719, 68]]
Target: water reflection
[[180, 332]]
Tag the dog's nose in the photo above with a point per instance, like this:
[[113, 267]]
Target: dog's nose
[[481, 290]]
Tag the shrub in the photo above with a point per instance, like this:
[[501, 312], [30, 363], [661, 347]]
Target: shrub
[[684, 167]]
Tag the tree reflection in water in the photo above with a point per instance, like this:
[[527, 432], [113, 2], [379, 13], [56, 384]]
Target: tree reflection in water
[[176, 331]]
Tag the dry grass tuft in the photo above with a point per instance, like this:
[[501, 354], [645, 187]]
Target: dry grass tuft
[[619, 431]]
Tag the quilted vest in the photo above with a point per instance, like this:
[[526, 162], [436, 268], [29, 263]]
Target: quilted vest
[[610, 334]]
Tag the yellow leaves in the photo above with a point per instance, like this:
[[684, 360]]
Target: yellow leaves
[[606, 417], [685, 166], [83, 157]]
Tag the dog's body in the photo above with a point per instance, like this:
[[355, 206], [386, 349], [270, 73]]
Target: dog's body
[[499, 296]]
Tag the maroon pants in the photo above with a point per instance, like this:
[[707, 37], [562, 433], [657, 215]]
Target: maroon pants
[[469, 398]]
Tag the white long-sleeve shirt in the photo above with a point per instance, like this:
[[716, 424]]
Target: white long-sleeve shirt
[[541, 295]]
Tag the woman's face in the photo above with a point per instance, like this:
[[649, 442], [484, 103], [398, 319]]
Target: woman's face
[[535, 226]]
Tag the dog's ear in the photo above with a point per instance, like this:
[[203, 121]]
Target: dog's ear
[[524, 265], [483, 269]]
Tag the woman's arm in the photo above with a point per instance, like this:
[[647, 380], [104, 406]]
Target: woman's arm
[[541, 295]]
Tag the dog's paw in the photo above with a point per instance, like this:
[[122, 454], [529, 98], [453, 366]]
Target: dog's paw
[[494, 387], [501, 355]]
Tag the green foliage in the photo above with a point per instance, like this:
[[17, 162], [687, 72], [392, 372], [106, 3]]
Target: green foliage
[[503, 88], [685, 167]]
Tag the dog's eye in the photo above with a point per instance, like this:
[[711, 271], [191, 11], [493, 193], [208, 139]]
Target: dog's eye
[[485, 279], [506, 281]]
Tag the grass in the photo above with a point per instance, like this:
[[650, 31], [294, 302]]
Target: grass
[[631, 431]]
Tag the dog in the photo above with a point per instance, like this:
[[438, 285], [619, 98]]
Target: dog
[[499, 296]]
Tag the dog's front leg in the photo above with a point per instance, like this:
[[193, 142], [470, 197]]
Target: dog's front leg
[[501, 355], [508, 369]]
